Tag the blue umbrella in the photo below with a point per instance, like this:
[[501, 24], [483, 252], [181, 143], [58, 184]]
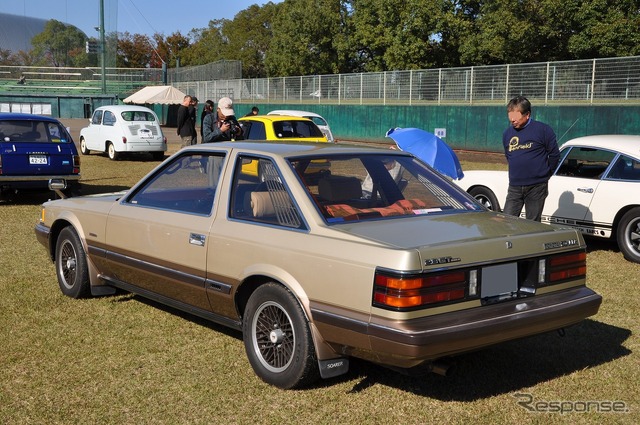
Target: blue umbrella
[[429, 148]]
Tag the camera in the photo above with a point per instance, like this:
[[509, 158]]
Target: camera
[[234, 126]]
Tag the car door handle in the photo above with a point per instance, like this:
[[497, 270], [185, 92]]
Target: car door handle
[[585, 189], [197, 239]]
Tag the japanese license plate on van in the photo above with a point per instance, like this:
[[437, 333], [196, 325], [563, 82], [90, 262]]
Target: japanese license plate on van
[[38, 159]]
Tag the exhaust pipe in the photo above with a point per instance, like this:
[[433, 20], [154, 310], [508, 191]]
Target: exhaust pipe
[[441, 367]]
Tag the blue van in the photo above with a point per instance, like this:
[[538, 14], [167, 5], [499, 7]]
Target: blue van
[[33, 150]]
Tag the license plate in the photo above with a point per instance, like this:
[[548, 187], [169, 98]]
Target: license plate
[[38, 159], [145, 134], [499, 280]]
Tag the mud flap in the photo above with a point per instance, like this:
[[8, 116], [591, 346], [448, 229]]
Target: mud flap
[[333, 367]]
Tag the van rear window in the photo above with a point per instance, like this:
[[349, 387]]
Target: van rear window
[[30, 131]]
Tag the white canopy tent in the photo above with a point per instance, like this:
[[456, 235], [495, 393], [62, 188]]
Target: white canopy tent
[[165, 95]]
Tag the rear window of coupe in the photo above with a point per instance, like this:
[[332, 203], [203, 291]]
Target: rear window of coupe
[[378, 186]]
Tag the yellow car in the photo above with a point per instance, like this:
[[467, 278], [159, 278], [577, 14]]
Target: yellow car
[[280, 127]]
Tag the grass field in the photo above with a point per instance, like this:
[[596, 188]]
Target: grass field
[[125, 360]]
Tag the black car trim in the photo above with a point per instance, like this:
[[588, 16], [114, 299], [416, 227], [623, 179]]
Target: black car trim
[[37, 177], [169, 271], [222, 320]]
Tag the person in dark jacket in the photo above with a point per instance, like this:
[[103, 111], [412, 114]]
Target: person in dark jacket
[[186, 127], [193, 112], [532, 153], [208, 109], [221, 125]]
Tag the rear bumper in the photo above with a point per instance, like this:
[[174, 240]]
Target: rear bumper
[[408, 343], [38, 178]]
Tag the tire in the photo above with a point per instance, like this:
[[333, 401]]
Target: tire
[[111, 151], [277, 338], [71, 265], [486, 197], [83, 147], [628, 235], [157, 156]]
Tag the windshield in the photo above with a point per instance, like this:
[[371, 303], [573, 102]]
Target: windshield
[[363, 187], [32, 131]]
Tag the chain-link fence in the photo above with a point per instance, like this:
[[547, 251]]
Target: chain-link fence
[[227, 70], [614, 80], [595, 81], [142, 75]]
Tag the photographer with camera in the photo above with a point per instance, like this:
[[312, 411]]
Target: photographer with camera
[[221, 126]]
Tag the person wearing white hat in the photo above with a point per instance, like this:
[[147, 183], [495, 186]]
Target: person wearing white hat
[[222, 125]]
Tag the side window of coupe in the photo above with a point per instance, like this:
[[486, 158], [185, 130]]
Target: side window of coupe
[[259, 195], [625, 168], [187, 184], [586, 163]]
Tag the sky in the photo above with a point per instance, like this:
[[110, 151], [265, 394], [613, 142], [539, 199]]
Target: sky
[[133, 16]]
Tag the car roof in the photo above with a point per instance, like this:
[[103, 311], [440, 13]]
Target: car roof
[[119, 108], [293, 148], [293, 112], [273, 118], [26, 117], [626, 144]]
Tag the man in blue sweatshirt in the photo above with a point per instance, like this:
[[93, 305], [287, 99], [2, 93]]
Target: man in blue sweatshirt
[[532, 153]]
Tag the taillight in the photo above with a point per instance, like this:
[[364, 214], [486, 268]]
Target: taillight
[[410, 292], [76, 164], [565, 267], [124, 139]]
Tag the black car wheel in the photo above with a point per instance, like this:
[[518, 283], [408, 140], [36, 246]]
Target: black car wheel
[[486, 197], [277, 338], [71, 265], [628, 235]]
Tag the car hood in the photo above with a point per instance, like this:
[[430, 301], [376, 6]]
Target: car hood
[[97, 202], [474, 236]]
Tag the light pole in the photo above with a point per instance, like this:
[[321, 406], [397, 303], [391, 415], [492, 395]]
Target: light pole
[[102, 50]]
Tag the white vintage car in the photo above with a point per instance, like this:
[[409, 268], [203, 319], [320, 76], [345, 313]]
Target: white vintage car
[[119, 129], [595, 189]]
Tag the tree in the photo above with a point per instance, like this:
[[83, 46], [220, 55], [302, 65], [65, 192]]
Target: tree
[[309, 38], [171, 48], [208, 46], [248, 37], [58, 44], [606, 29], [134, 51]]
